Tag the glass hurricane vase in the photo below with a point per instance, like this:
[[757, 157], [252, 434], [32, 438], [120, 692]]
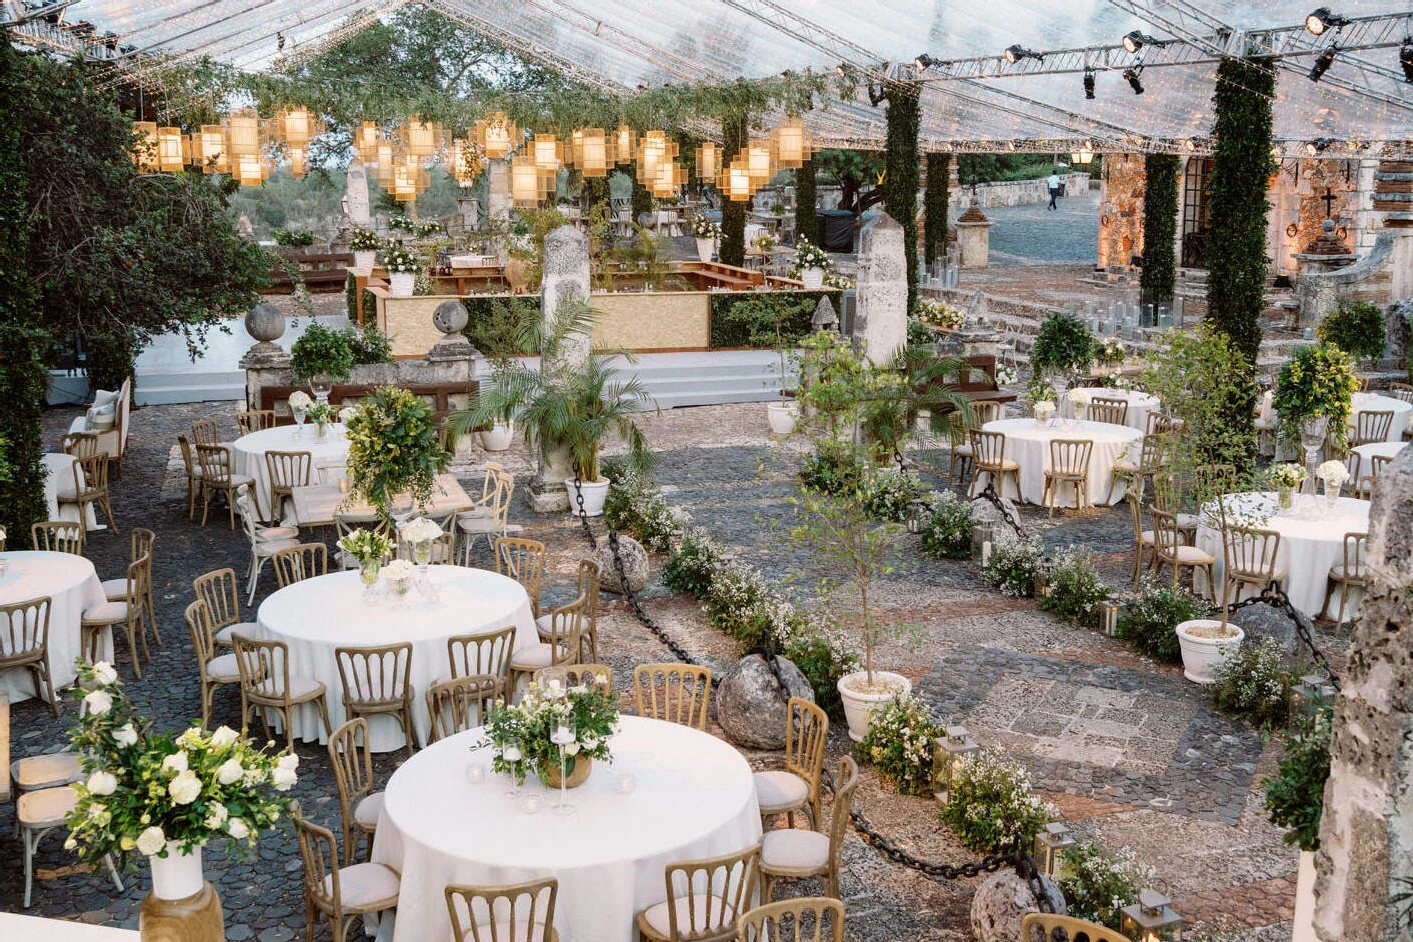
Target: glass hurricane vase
[[1312, 439], [368, 570]]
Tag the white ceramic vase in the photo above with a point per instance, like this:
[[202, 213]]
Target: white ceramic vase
[[363, 262], [401, 283], [859, 707], [595, 492], [782, 417], [498, 436], [813, 278], [177, 876], [706, 248], [1202, 656]]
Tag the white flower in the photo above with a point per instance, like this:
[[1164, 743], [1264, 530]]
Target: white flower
[[96, 810], [125, 735], [99, 702], [237, 829], [421, 530], [1333, 473], [102, 783], [283, 779], [224, 736], [176, 762], [299, 399], [230, 772], [398, 569], [151, 841], [572, 749], [216, 816], [104, 673], [185, 788], [288, 761], [346, 413], [191, 736], [253, 776], [589, 741]]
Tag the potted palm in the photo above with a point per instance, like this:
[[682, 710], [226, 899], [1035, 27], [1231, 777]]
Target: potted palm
[[402, 264], [364, 243], [567, 407]]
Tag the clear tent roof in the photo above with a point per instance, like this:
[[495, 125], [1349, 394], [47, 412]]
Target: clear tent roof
[[624, 43]]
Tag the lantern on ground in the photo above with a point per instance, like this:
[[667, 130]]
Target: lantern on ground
[[1109, 616], [547, 152], [527, 183], [1306, 699], [625, 144], [949, 752], [917, 514], [1042, 576], [708, 160], [792, 143], [171, 150], [496, 135], [1151, 919], [592, 152], [983, 538], [1052, 846], [144, 147], [735, 181]]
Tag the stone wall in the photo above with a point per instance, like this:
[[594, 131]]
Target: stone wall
[[1013, 192], [1297, 193], [1121, 209]]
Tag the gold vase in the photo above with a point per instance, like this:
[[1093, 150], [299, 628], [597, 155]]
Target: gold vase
[[579, 767]]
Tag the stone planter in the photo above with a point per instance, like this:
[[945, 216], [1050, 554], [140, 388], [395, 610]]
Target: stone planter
[[706, 248], [498, 436], [782, 417], [1202, 655], [595, 492], [363, 262], [182, 905], [813, 278], [859, 707], [401, 283]]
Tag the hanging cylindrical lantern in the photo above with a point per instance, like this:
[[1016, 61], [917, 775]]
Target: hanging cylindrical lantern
[[654, 150], [298, 161], [547, 152], [735, 181], [244, 133], [386, 161], [527, 183], [625, 144], [297, 127], [708, 160], [250, 169], [592, 152], [404, 181], [365, 139], [144, 148], [208, 149], [760, 160], [496, 135], [670, 178], [792, 143], [573, 146], [421, 137], [170, 152]]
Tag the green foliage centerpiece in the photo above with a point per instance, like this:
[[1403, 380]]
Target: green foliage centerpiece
[[521, 735], [320, 357], [1063, 345], [1356, 327], [393, 449], [1315, 388]]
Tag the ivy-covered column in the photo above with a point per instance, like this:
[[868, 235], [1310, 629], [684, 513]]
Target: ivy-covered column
[[1160, 208], [806, 195], [732, 251], [934, 207], [901, 175], [1241, 164], [23, 377]]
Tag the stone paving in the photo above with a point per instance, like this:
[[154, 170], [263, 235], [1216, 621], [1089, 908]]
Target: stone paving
[[1131, 754]]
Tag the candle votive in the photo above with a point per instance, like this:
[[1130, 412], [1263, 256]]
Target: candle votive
[[343, 485], [476, 773], [530, 803], [625, 782]]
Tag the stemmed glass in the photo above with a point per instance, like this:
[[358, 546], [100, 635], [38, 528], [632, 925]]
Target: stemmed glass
[[513, 755], [563, 734], [298, 422], [554, 682]]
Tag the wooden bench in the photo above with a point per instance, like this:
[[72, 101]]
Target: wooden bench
[[322, 271]]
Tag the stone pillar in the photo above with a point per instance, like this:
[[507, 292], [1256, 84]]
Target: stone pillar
[[881, 315], [1325, 253], [470, 209], [356, 189], [974, 238], [498, 189], [1366, 831], [566, 282], [266, 324]]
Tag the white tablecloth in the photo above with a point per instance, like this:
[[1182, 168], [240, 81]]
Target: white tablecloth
[[1312, 540], [1139, 404], [1367, 453], [329, 455], [59, 472], [1028, 444], [317, 615], [1370, 402], [694, 798], [73, 585]]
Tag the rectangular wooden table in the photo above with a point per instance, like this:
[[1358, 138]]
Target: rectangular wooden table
[[315, 505]]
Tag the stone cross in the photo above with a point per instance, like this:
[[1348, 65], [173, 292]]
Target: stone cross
[[881, 315], [565, 284], [356, 190], [1366, 831]]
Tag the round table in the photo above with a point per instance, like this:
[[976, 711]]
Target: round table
[[694, 798], [1028, 444], [1371, 402], [1312, 540], [1370, 451], [1139, 404], [328, 455], [73, 585], [317, 615]]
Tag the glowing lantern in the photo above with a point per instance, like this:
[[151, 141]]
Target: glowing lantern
[[761, 162], [421, 137], [528, 184], [144, 149], [792, 144], [298, 127], [573, 147], [298, 162], [404, 182], [735, 181], [625, 143], [547, 152], [669, 180], [496, 135], [591, 151], [386, 162], [245, 134], [466, 161], [208, 149], [653, 151], [170, 152], [366, 140], [708, 160], [250, 169]]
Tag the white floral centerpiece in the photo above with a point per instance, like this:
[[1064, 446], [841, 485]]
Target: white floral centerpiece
[[420, 533], [705, 228], [1044, 409], [940, 316], [1110, 350], [370, 548], [321, 414], [1006, 375], [161, 796], [1285, 478], [1334, 474], [346, 413], [526, 729], [811, 262], [299, 403], [398, 574], [399, 259]]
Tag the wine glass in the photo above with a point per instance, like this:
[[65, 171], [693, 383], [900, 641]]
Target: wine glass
[[513, 754], [563, 733], [298, 422]]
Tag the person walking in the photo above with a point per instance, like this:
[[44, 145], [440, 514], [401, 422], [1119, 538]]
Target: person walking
[[1054, 184]]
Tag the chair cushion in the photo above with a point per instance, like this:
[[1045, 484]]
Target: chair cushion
[[46, 771], [711, 911], [248, 628], [780, 790], [116, 589], [532, 657], [66, 493], [545, 624], [1187, 521], [106, 612], [366, 811], [305, 688], [794, 849], [271, 547], [478, 525], [475, 513], [503, 931], [224, 669], [1189, 555], [46, 807], [278, 533], [366, 886], [965, 450]]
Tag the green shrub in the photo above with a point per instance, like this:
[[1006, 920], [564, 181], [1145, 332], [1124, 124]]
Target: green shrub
[[323, 350], [990, 805], [823, 660], [751, 319], [1295, 795], [368, 344], [495, 325], [833, 467], [1075, 589], [1356, 327], [1098, 884], [1063, 345], [1253, 682], [899, 744], [296, 238], [635, 504], [1149, 619], [693, 567], [1012, 566], [740, 603], [946, 530], [887, 494]]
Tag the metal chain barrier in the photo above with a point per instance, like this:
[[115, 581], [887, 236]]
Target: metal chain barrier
[[988, 493], [1274, 596]]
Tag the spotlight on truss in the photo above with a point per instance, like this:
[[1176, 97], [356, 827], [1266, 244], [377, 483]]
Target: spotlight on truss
[[1137, 39], [923, 62], [1089, 83], [1405, 59], [1132, 76], [1322, 63], [1016, 52], [1322, 19]]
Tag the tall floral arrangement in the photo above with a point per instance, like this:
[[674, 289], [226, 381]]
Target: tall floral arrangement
[[158, 794], [1318, 380], [393, 448]]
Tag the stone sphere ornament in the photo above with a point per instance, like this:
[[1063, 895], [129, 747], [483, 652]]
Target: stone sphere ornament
[[450, 317], [265, 323]]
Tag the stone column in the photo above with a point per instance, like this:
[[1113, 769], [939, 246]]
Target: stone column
[[881, 314], [498, 189], [266, 324], [1366, 831], [566, 282], [356, 188], [974, 238]]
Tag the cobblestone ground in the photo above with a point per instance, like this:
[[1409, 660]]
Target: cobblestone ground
[[1131, 753], [1024, 235]]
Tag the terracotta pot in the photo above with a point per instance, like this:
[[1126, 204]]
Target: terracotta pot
[[579, 766]]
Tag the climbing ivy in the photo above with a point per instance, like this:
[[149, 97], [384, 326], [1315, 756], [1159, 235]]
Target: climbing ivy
[[732, 250], [1160, 205], [806, 220], [23, 378], [1241, 165], [901, 161], [934, 207]]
